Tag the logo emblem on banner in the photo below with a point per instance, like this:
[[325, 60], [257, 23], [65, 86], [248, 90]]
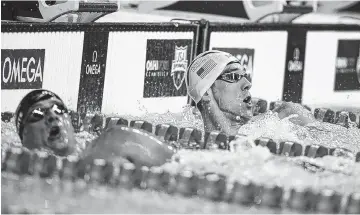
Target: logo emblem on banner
[[296, 54], [179, 66], [22, 68], [165, 67], [295, 65]]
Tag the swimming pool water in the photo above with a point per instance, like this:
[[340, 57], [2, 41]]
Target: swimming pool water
[[257, 164]]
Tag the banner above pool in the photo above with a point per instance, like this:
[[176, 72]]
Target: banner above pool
[[42, 59], [296, 62], [139, 68], [113, 69]]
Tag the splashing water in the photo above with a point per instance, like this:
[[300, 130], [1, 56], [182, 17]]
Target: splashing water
[[255, 163], [329, 135], [260, 166]]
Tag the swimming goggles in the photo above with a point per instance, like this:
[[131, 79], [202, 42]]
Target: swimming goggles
[[233, 77], [39, 113]]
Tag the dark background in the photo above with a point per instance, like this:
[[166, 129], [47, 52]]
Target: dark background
[[293, 80], [92, 85], [18, 54], [347, 78], [164, 86]]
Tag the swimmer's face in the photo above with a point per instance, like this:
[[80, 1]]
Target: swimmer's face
[[48, 125], [231, 92]]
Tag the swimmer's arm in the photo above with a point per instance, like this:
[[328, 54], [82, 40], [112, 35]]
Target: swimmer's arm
[[301, 116]]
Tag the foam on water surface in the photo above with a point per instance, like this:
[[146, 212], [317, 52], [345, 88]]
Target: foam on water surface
[[271, 126], [260, 166], [256, 164], [329, 135]]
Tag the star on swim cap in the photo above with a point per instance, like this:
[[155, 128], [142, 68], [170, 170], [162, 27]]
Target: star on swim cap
[[204, 70]]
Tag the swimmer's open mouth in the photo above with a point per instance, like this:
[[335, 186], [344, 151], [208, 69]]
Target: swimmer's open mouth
[[54, 133], [247, 102], [56, 141]]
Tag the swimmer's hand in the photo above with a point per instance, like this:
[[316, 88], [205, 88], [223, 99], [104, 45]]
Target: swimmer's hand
[[137, 146], [295, 113]]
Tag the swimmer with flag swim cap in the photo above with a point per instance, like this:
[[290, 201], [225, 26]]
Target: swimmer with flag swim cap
[[220, 88], [42, 122]]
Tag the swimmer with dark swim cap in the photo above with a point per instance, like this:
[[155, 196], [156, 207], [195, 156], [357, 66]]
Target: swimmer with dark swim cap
[[220, 88], [42, 121]]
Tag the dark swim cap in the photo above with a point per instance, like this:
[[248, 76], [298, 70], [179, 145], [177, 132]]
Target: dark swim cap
[[27, 102]]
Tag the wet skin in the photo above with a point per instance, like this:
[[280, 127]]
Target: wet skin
[[229, 106], [234, 99], [303, 116], [123, 144], [53, 131], [118, 144]]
